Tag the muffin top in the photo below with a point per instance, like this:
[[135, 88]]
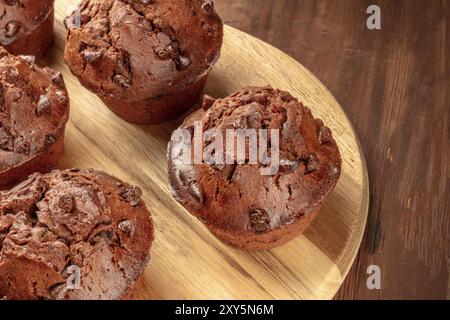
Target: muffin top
[[34, 109], [238, 197], [21, 17], [137, 50], [52, 224]]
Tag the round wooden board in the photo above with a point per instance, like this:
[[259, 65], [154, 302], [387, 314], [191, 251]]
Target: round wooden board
[[187, 261]]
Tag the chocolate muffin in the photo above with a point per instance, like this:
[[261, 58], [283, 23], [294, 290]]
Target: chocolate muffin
[[238, 203], [26, 26], [34, 110], [72, 235], [147, 60]]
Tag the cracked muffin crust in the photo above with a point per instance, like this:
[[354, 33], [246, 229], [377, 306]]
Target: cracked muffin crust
[[26, 26], [238, 204], [34, 110], [85, 219], [147, 60]]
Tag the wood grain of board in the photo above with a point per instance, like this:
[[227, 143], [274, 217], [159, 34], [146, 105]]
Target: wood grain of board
[[187, 261]]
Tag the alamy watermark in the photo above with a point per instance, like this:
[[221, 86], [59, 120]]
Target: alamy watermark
[[236, 146], [374, 20], [374, 279], [74, 280]]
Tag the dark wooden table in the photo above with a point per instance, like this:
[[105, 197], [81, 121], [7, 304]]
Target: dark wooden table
[[394, 83]]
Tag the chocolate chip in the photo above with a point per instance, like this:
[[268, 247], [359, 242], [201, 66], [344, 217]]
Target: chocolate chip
[[28, 59], [43, 106], [69, 22], [259, 220], [12, 28], [333, 170], [208, 6], [58, 80], [127, 227], [183, 62], [312, 164], [325, 135], [50, 139], [287, 166], [207, 102], [65, 203], [92, 55], [194, 189], [65, 176], [131, 194], [61, 97], [122, 81], [171, 51]]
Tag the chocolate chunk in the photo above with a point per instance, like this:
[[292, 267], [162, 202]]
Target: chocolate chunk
[[311, 164], [50, 139], [208, 6], [288, 166], [28, 59], [58, 80], [131, 194], [207, 102], [65, 203], [183, 62], [325, 135], [127, 227], [195, 190], [12, 28], [122, 81], [92, 55], [333, 170], [61, 97], [43, 106], [69, 22], [259, 220]]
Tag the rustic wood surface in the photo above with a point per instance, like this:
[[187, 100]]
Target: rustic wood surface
[[187, 261], [394, 85]]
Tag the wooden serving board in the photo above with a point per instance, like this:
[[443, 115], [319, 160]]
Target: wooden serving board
[[187, 261]]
